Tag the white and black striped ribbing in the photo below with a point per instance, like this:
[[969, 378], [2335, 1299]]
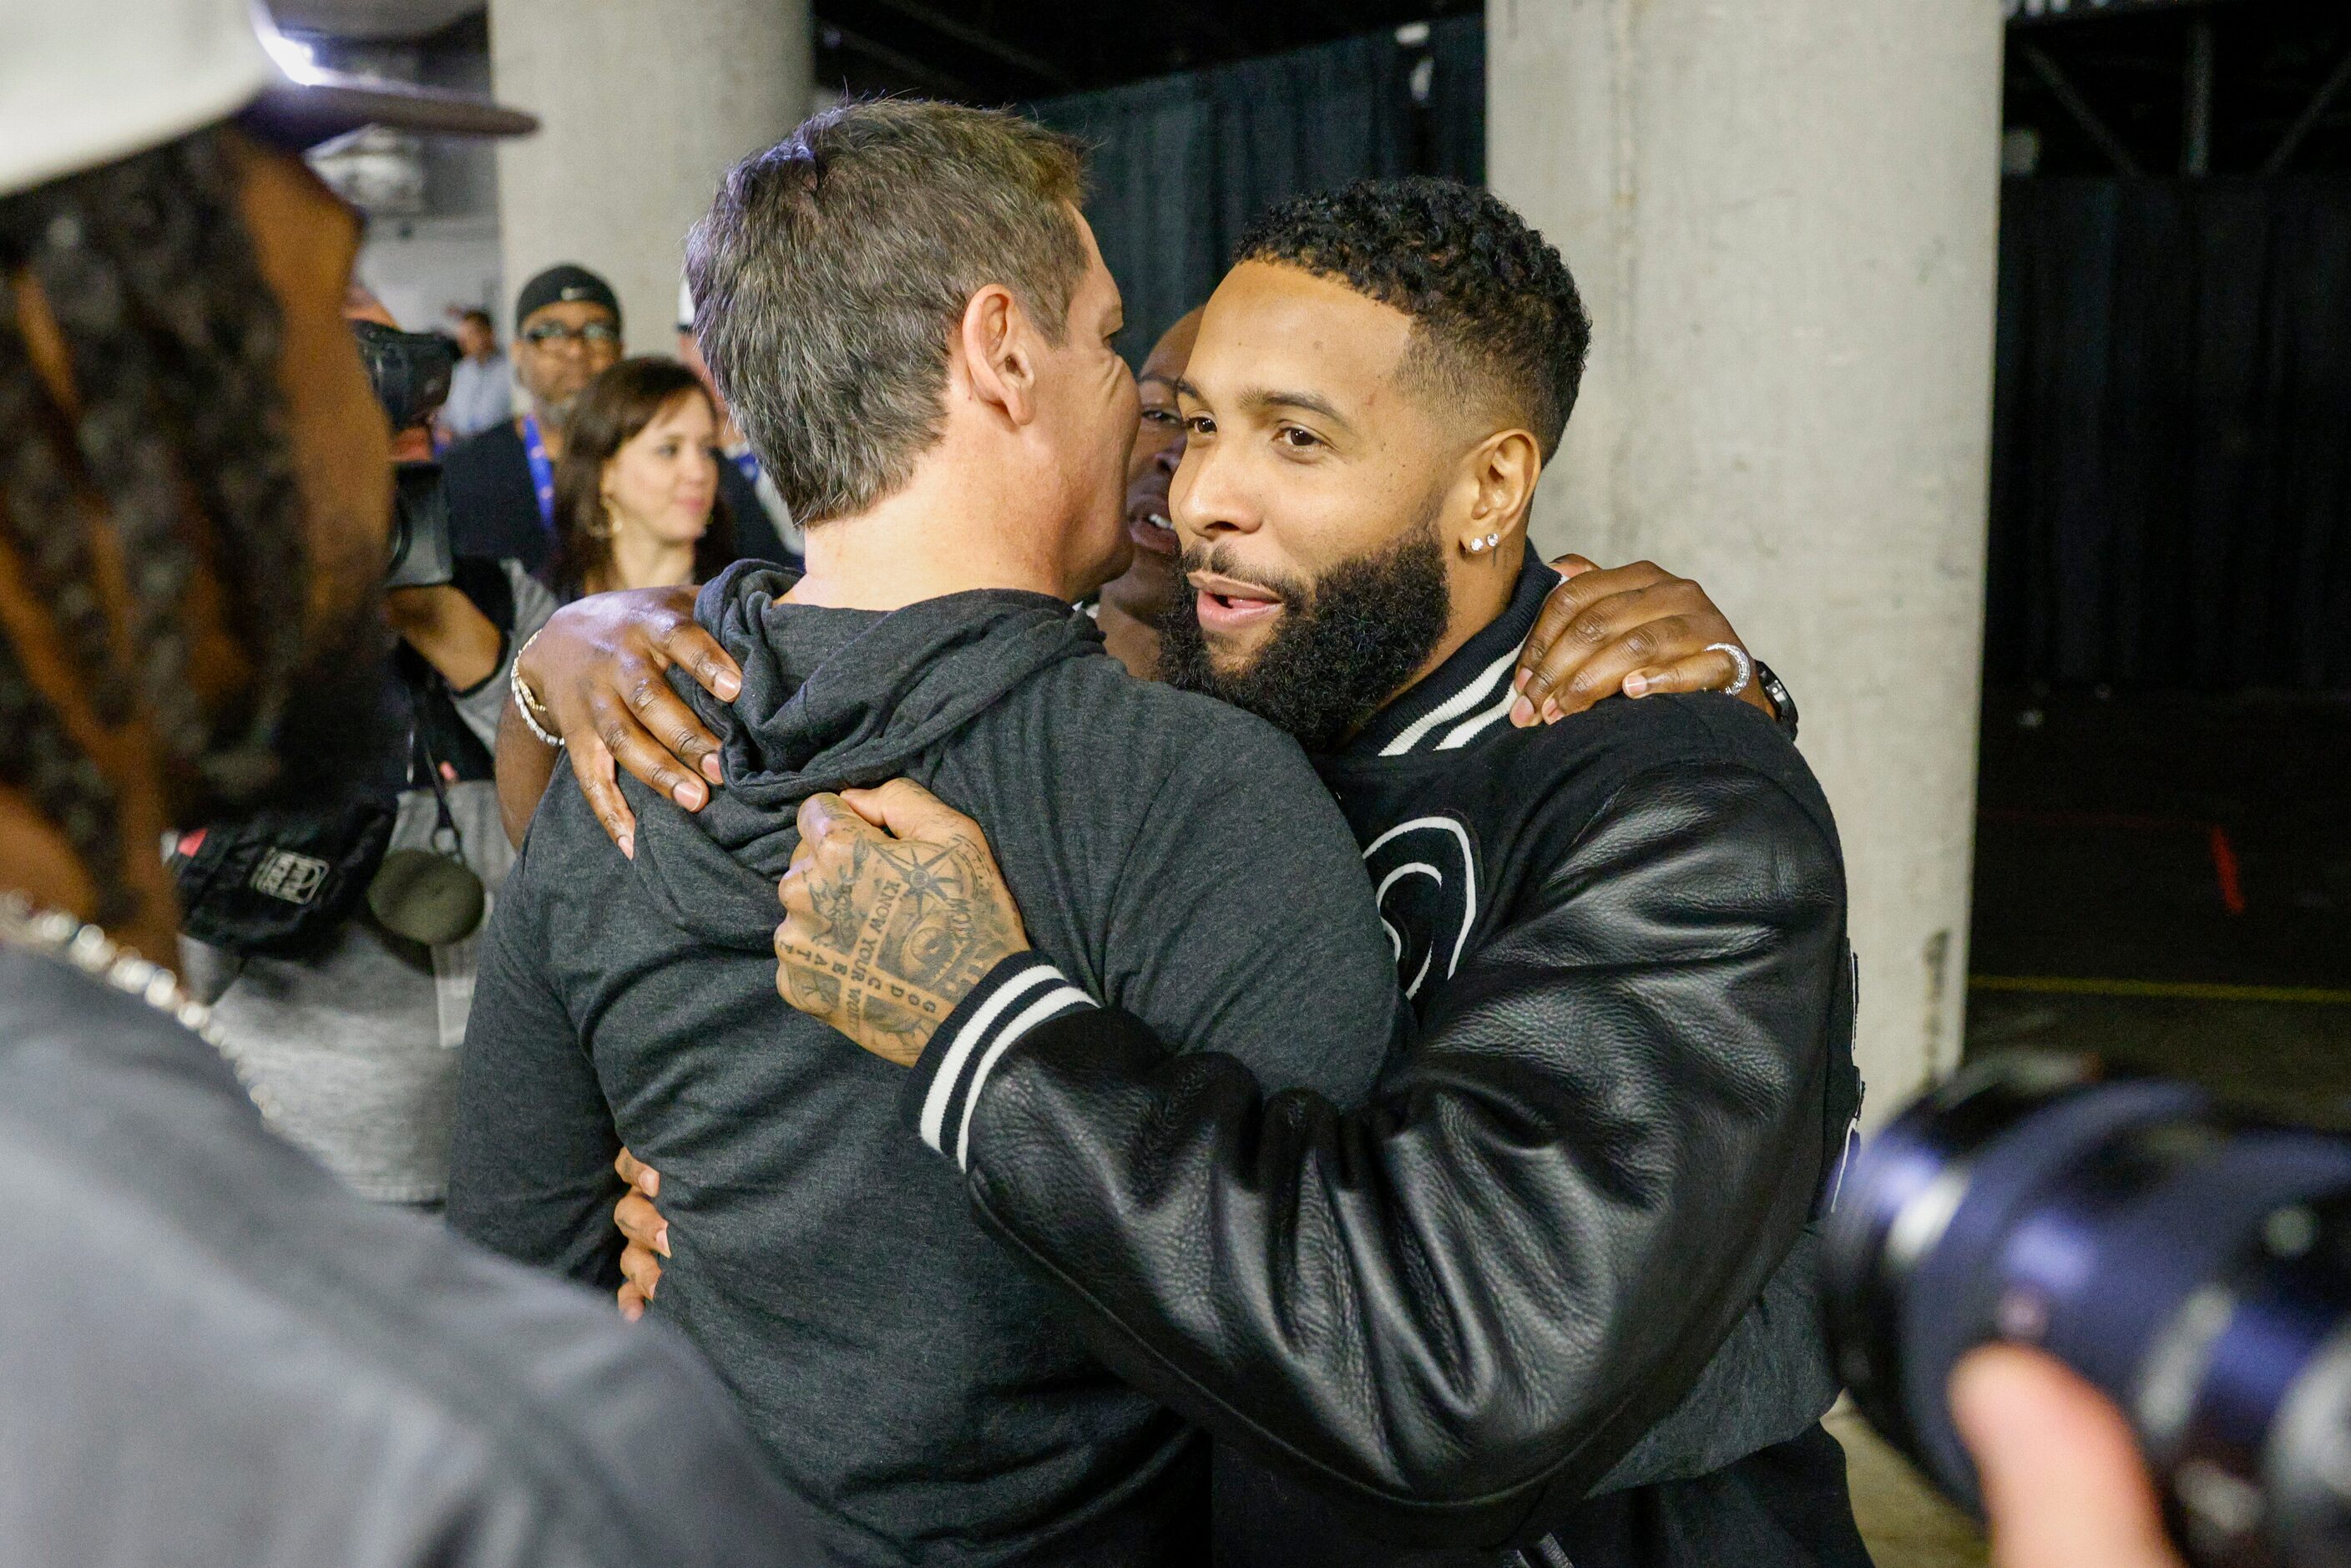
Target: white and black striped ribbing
[[1018, 994]]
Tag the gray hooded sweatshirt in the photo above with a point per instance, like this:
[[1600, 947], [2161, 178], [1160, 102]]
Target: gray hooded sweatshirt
[[927, 1397]]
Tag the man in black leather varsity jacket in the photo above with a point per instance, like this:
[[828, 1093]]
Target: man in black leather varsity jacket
[[1565, 1247], [1547, 1296]]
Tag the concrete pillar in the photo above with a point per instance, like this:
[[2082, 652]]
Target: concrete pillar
[[642, 104], [1782, 214]]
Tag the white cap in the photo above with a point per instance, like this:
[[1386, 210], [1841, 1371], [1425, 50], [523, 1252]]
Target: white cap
[[87, 82]]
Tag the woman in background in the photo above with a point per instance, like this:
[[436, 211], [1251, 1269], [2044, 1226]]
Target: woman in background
[[636, 495]]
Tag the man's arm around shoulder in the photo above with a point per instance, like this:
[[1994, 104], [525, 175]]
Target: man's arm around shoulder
[[1480, 1289]]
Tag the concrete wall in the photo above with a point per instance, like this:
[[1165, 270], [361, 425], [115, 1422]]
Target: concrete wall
[[1782, 214], [642, 105], [426, 268]]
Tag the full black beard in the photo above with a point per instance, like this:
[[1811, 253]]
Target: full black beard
[[1348, 641]]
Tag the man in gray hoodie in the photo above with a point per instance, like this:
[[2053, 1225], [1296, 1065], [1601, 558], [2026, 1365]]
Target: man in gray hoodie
[[911, 318]]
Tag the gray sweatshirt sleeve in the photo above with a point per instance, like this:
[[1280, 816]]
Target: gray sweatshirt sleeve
[[1244, 917], [530, 1160], [1242, 920]]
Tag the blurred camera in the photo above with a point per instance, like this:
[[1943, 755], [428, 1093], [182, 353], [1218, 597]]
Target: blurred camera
[[421, 554], [410, 372], [2194, 1266]]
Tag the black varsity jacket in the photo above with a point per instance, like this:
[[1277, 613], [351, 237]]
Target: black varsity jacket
[[1562, 1253]]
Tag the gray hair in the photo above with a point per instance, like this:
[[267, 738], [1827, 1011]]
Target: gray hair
[[832, 268]]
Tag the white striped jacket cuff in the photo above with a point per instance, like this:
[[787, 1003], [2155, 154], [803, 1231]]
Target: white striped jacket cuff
[[952, 1073]]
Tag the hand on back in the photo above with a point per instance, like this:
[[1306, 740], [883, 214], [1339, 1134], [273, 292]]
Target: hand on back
[[598, 673], [893, 910]]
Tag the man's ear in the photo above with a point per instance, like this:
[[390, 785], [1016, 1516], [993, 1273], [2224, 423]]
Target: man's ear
[[999, 353], [1503, 469]]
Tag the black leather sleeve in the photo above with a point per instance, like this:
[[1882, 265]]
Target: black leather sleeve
[[1487, 1283]]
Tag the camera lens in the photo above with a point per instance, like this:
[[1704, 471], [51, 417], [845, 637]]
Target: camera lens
[[2196, 1268]]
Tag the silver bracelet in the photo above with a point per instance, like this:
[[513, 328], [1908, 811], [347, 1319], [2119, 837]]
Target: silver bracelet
[[526, 702], [1739, 655]]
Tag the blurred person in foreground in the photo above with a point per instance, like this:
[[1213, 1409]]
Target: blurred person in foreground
[[214, 1354], [481, 388], [502, 481], [637, 501], [2063, 1482], [353, 1030]]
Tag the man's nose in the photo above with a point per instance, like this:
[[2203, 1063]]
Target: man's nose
[[1169, 457], [1203, 501]]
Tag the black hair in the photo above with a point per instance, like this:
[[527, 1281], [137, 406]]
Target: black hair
[[172, 338], [1495, 307]]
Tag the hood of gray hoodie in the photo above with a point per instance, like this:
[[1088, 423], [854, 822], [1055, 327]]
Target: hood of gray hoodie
[[832, 699]]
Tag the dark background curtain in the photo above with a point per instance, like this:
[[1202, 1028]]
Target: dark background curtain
[[2171, 476], [1183, 163], [2171, 469]]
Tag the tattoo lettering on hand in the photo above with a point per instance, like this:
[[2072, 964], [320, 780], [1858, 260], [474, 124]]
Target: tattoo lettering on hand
[[901, 932]]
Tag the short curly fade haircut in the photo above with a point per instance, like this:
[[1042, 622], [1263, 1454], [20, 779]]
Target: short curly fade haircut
[[1496, 317]]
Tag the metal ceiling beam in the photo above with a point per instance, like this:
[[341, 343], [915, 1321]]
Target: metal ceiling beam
[[905, 65], [2079, 108], [2196, 128], [2309, 119], [2030, 13], [972, 38]]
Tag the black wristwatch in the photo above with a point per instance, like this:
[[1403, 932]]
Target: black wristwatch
[[1783, 705]]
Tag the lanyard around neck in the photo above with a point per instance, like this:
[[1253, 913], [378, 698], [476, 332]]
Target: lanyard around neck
[[542, 468]]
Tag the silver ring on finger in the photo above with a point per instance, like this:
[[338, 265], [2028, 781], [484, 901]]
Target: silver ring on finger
[[1739, 656]]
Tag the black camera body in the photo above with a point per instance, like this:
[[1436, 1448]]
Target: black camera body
[[411, 372], [420, 555], [2194, 1266]]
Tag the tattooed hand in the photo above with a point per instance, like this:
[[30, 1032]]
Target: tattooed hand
[[893, 910]]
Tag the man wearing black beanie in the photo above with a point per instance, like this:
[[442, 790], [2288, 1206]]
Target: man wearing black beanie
[[502, 482]]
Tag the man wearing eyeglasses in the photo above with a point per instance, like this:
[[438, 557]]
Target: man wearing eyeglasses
[[502, 482]]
